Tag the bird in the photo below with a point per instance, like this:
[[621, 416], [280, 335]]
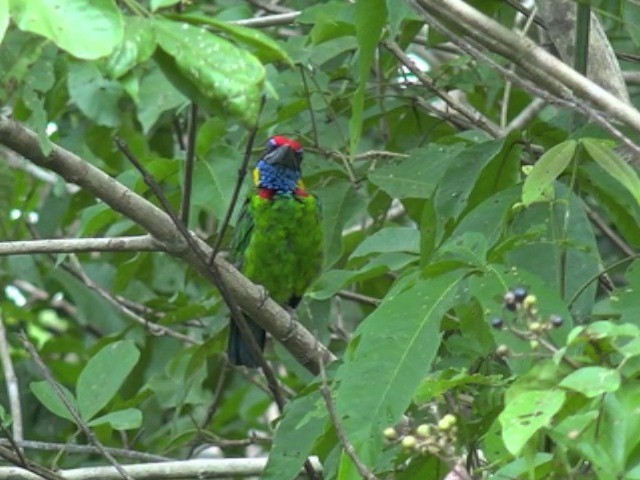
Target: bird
[[278, 239]]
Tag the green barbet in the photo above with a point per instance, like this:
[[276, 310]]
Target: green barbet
[[278, 237]]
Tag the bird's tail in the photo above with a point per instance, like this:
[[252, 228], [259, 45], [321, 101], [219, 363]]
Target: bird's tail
[[239, 350]]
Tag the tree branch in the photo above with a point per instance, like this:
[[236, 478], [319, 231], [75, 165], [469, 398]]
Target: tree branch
[[73, 410], [529, 56], [210, 468], [13, 392], [265, 312], [141, 243]]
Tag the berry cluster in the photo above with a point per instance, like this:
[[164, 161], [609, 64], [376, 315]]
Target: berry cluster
[[525, 306], [428, 439]]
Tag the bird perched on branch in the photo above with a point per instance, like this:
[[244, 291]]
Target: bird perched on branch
[[278, 237]]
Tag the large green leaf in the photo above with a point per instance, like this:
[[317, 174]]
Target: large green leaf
[[558, 244], [214, 180], [4, 18], [592, 381], [390, 239], [548, 167], [340, 202], [389, 356], [455, 187], [87, 29], [223, 73], [371, 16], [50, 399], [157, 95], [265, 47], [96, 96], [127, 419], [615, 166], [526, 414], [416, 176], [103, 376], [136, 46], [304, 419]]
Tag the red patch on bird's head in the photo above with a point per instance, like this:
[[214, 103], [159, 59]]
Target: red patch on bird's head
[[281, 140]]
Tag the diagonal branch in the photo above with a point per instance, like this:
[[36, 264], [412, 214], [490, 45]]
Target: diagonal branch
[[267, 313], [529, 56], [73, 410]]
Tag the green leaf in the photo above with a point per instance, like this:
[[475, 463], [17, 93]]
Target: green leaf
[[103, 376], [390, 354], [223, 73], [371, 16], [127, 419], [158, 4], [546, 170], [136, 46], [302, 422], [87, 29], [416, 176], [440, 382], [334, 280], [615, 166], [340, 202], [390, 239], [526, 414], [157, 95], [214, 180], [266, 48], [461, 178], [50, 399], [592, 381], [97, 97], [4, 18]]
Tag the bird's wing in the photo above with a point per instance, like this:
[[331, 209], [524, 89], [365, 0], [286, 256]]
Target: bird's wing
[[242, 234]]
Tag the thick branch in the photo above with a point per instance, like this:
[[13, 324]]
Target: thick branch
[[210, 468], [532, 58], [267, 313], [78, 245]]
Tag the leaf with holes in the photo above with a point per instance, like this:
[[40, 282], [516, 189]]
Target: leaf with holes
[[526, 414]]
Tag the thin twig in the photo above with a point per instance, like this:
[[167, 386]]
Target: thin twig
[[242, 172], [13, 390], [217, 395], [72, 409], [608, 232], [18, 460], [189, 163], [359, 298], [268, 20], [349, 449], [86, 449], [307, 92], [74, 267], [567, 100], [474, 116]]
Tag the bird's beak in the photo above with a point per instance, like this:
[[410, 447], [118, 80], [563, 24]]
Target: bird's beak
[[285, 156]]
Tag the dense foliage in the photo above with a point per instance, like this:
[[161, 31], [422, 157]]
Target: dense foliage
[[479, 287]]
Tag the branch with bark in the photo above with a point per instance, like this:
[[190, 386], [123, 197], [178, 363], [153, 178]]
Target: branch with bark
[[264, 311]]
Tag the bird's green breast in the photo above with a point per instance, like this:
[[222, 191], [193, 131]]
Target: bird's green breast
[[284, 251]]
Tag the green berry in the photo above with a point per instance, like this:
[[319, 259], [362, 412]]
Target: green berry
[[390, 433], [502, 351], [423, 430], [409, 442]]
